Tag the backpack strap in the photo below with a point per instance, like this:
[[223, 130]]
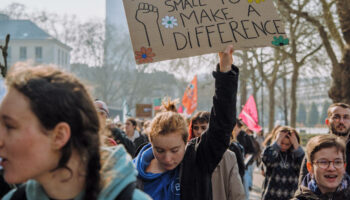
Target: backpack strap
[[20, 193], [127, 192]]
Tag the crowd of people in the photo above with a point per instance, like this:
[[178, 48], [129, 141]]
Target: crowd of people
[[56, 142]]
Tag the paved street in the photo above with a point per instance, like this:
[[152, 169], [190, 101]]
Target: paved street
[[258, 179]]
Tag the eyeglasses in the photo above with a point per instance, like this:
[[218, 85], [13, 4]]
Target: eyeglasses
[[196, 128], [338, 117], [324, 164]]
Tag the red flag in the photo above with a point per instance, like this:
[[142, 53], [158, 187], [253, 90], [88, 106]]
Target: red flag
[[249, 115], [189, 100]]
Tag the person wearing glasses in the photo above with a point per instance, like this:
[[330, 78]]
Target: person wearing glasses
[[338, 122], [282, 161], [327, 178]]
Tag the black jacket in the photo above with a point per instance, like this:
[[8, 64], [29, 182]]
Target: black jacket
[[239, 155], [203, 154], [120, 137], [246, 141]]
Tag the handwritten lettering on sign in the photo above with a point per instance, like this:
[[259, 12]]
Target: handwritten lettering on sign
[[169, 29]]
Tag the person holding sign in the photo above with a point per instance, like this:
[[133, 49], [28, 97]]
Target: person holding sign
[[171, 168]]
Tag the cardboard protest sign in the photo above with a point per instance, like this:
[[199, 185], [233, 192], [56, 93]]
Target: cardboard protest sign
[[169, 29], [144, 110]]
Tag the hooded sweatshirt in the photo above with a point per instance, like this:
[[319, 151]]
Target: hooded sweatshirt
[[117, 172], [309, 190], [159, 186]]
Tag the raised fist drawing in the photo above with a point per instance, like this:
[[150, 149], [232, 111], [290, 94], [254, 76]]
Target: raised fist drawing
[[148, 16]]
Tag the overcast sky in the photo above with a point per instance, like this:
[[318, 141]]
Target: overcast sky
[[84, 9]]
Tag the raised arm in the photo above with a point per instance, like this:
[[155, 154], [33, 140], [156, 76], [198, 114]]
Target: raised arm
[[215, 141]]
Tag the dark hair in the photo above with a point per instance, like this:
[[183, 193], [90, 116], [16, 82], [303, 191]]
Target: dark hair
[[343, 105], [132, 120], [201, 117], [57, 97], [239, 123], [320, 142]]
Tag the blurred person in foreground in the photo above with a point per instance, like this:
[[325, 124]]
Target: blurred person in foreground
[[50, 141]]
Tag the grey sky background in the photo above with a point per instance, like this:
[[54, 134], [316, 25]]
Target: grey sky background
[[83, 9]]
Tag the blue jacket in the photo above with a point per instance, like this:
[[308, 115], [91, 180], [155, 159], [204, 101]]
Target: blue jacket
[[117, 172], [159, 186]]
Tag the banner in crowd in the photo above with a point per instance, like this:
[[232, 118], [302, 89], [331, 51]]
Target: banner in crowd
[[144, 110], [189, 100], [249, 115], [169, 29]]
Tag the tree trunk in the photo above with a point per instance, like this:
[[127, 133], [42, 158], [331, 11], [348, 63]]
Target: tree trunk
[[243, 80], [285, 100], [271, 106], [339, 91], [293, 99]]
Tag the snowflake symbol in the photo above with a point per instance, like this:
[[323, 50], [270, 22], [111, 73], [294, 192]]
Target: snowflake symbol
[[169, 22]]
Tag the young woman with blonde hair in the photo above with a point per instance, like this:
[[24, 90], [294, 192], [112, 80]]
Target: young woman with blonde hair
[[171, 168]]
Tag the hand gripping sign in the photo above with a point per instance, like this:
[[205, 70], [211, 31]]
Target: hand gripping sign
[[169, 29]]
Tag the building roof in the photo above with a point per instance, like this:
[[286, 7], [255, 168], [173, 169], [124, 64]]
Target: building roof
[[24, 30]]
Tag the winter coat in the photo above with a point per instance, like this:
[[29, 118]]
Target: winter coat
[[282, 170], [226, 182], [239, 152], [117, 173], [309, 190], [120, 137], [203, 154]]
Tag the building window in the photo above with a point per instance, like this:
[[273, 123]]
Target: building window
[[23, 53], [38, 54]]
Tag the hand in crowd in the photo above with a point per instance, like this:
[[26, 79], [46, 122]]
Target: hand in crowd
[[294, 140], [280, 136], [226, 59]]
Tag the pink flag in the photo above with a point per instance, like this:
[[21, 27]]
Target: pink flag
[[180, 109], [249, 115]]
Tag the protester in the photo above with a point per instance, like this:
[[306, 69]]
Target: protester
[[267, 142], [338, 122], [49, 139], [103, 112], [249, 154], [160, 162], [135, 136], [239, 152], [282, 160], [327, 178], [256, 158], [226, 182], [112, 135]]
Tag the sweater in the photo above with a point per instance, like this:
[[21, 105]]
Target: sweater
[[282, 170]]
